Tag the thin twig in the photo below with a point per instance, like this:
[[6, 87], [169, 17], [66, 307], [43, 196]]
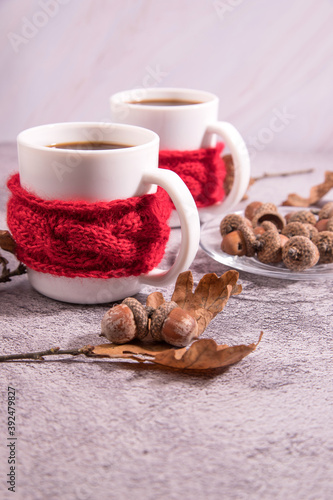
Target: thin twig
[[86, 350], [282, 174], [7, 273]]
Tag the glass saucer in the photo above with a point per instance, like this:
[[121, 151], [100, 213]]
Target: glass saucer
[[210, 242]]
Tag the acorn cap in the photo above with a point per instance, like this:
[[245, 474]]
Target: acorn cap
[[295, 229], [312, 230], [324, 243], [230, 223], [158, 318], [266, 213], [327, 211], [268, 226], [249, 238], [304, 216], [299, 253], [269, 247], [140, 316], [267, 206]]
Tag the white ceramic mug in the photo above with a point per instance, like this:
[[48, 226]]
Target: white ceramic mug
[[103, 175], [186, 127]]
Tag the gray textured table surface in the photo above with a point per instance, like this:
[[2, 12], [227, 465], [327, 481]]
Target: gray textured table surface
[[103, 429]]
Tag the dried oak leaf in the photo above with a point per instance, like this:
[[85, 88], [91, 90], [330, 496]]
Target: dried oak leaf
[[7, 242], [316, 193], [210, 297], [154, 300], [203, 354], [135, 350]]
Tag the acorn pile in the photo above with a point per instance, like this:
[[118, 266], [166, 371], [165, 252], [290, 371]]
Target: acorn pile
[[300, 239]]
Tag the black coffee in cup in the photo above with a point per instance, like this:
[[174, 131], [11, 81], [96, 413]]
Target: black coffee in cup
[[164, 102], [88, 145]]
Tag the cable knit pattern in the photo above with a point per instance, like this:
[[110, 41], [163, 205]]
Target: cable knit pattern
[[113, 239], [203, 171]]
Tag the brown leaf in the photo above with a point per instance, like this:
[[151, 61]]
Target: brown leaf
[[203, 354], [7, 242], [316, 193], [183, 289], [155, 299], [210, 296], [129, 350]]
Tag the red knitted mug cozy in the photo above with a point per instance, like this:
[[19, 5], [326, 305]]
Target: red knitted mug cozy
[[203, 171], [113, 239]]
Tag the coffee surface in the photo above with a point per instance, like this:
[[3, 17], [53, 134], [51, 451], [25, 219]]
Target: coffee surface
[[164, 102], [88, 145]]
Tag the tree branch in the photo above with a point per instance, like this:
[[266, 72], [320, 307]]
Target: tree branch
[[54, 351], [282, 174]]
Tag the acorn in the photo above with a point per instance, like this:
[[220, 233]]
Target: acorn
[[303, 216], [288, 216], [118, 324], [321, 225], [299, 253], [234, 243], [324, 243], [240, 242], [124, 322], [179, 328], [329, 226], [251, 209], [174, 325], [283, 240], [130, 319], [259, 230], [325, 224]]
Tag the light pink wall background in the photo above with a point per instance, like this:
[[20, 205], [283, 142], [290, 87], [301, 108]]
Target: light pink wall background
[[270, 62]]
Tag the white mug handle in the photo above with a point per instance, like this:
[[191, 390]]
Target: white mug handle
[[189, 224], [241, 159]]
